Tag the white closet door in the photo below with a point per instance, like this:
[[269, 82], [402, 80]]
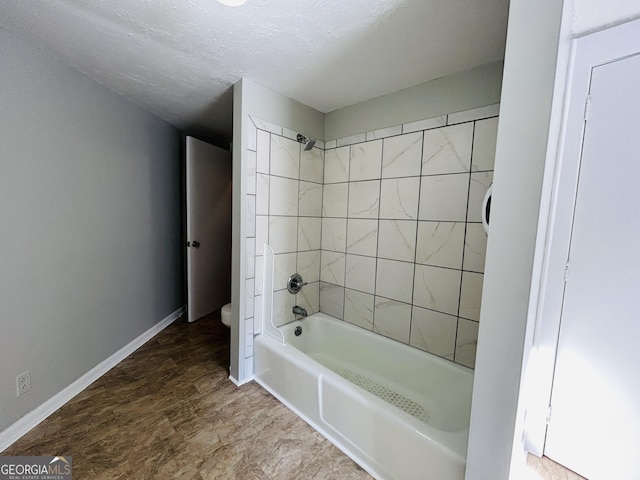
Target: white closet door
[[595, 408]]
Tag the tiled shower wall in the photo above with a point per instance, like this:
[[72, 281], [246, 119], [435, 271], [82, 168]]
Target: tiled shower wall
[[402, 240], [286, 182], [386, 229]]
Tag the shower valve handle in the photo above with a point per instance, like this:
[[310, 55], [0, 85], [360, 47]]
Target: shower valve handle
[[295, 283]]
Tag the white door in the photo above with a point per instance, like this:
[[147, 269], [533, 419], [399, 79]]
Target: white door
[[208, 178], [594, 425]]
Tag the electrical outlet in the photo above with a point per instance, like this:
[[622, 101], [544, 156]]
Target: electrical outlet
[[23, 382]]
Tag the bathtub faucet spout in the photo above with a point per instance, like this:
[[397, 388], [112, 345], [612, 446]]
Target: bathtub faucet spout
[[299, 311]]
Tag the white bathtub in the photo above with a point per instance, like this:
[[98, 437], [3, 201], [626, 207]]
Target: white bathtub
[[419, 431]]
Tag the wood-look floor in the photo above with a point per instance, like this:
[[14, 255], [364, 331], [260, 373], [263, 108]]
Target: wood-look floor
[[547, 469], [169, 411]]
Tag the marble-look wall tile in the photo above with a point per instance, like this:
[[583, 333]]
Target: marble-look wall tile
[[484, 145], [466, 343], [366, 161], [394, 280], [311, 165], [283, 234], [399, 198], [480, 183], [283, 197], [475, 248], [248, 332], [248, 306], [309, 298], [447, 150], [259, 279], [251, 216], [444, 198], [350, 140], [474, 114], [334, 234], [252, 134], [332, 267], [262, 194], [402, 156], [384, 133], [362, 237], [284, 265], [283, 303], [434, 332], [364, 199], [437, 289], [360, 273], [290, 134], [440, 244], [262, 152], [332, 300], [397, 240], [251, 172], [427, 124], [409, 222], [334, 200], [309, 265], [250, 265], [257, 314], [285, 157], [336, 165], [262, 233], [310, 199], [309, 231], [392, 319], [248, 366], [358, 309], [268, 126], [471, 295]]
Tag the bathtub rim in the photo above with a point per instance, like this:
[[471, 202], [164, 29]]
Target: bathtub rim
[[448, 364]]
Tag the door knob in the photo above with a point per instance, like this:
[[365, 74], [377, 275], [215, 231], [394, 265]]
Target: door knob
[[195, 244]]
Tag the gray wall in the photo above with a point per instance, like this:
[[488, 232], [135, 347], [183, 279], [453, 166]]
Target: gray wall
[[474, 88], [90, 208]]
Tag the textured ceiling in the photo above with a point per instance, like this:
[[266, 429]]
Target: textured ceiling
[[179, 58]]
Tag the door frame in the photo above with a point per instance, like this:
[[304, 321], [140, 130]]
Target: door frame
[[587, 52]]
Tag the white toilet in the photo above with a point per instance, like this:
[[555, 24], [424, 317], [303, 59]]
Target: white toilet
[[225, 315]]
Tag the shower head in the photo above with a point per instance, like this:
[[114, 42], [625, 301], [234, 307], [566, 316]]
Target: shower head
[[309, 142]]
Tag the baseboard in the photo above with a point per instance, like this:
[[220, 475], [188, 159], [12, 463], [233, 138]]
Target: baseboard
[[10, 435], [239, 384]]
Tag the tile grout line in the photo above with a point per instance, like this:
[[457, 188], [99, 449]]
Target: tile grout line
[[464, 242], [415, 250], [375, 281]]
